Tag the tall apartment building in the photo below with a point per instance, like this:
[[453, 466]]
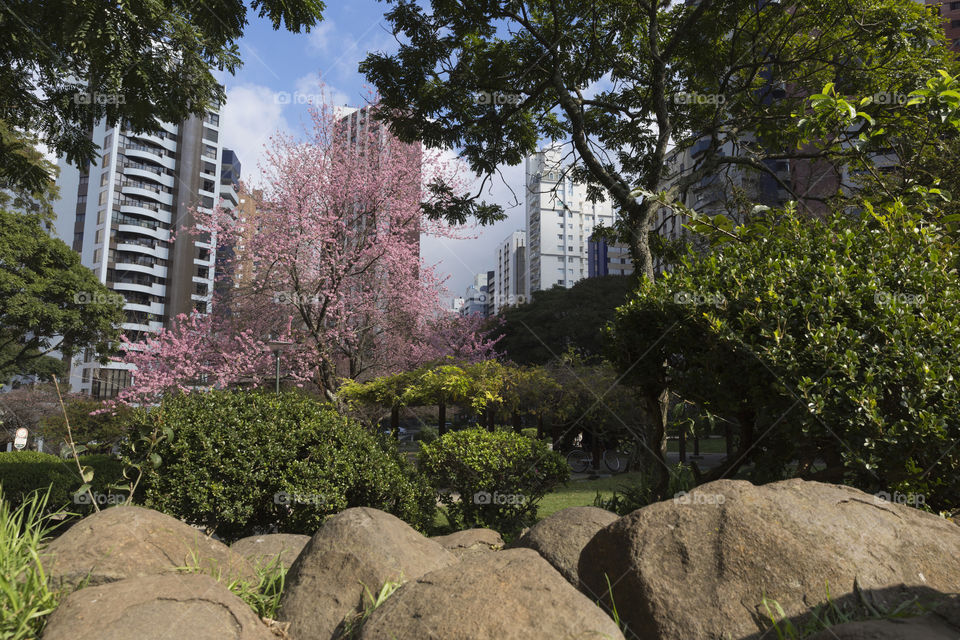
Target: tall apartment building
[[608, 259], [950, 12], [560, 220], [476, 296], [128, 215], [510, 279]]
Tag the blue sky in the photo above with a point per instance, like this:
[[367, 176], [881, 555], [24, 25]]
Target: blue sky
[[281, 72]]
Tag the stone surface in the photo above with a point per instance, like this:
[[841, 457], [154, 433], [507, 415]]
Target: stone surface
[[561, 537], [170, 607], [700, 566], [265, 549], [942, 624], [356, 549], [470, 541], [125, 542], [920, 628], [509, 595]]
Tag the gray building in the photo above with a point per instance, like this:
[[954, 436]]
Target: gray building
[[127, 215]]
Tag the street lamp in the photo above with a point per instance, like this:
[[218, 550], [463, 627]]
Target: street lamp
[[277, 346]]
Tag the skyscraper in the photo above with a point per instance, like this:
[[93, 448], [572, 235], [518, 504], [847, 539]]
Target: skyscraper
[[560, 220], [510, 287], [128, 216]]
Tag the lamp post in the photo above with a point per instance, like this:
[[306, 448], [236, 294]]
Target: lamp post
[[277, 346]]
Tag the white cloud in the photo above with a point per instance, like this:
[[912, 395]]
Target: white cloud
[[310, 85], [252, 114]]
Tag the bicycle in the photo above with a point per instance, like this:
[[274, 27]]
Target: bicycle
[[580, 460]]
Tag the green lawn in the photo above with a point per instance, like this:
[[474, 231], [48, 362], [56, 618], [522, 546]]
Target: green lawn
[[580, 493], [707, 445]]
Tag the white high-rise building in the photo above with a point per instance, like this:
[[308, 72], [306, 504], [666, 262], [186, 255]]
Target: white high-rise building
[[476, 296], [511, 272], [560, 220], [128, 216]]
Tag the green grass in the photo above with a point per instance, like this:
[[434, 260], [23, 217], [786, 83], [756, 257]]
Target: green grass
[[581, 493], [26, 598], [707, 445]]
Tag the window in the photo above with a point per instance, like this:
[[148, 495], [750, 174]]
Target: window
[[209, 134], [106, 160], [99, 237], [569, 248], [103, 197], [97, 255], [101, 215], [104, 178], [210, 152], [560, 282]]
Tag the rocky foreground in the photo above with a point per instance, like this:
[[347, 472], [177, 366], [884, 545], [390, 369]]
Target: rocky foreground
[[709, 565]]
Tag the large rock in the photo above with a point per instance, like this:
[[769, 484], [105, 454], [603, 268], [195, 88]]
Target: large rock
[[357, 549], [156, 607], [266, 549], [942, 624], [125, 542], [509, 595], [561, 537], [700, 566], [470, 541]]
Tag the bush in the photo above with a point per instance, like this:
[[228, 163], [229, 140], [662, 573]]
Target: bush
[[529, 432], [500, 476], [427, 434], [23, 472], [242, 462]]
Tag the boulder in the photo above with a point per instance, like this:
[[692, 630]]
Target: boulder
[[357, 550], [470, 541], [156, 607], [265, 549], [700, 565], [126, 542], [509, 595], [919, 628], [942, 624], [561, 537]]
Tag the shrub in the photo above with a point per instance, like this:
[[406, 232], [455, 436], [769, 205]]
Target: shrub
[[23, 472], [427, 434], [242, 462], [500, 476], [529, 432]]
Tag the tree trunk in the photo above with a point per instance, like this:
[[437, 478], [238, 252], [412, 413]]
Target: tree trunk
[[682, 444], [655, 454], [517, 423], [595, 449], [490, 415], [442, 420], [395, 422]]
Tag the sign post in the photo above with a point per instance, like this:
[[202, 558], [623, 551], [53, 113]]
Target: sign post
[[20, 440]]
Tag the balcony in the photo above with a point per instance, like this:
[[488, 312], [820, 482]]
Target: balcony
[[145, 209]]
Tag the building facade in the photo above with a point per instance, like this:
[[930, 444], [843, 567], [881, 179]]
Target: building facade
[[608, 259], [510, 275], [475, 298], [560, 220], [128, 216]]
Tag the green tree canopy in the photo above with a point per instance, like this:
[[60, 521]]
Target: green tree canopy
[[67, 64], [48, 300], [557, 319], [626, 80]]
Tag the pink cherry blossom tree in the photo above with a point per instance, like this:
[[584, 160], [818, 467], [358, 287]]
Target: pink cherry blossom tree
[[330, 263]]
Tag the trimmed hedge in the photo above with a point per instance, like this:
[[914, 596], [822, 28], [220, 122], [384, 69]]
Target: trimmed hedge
[[499, 476], [243, 462], [22, 472]]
